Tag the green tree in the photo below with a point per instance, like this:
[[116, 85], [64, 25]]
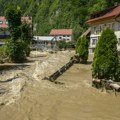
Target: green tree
[[13, 15], [26, 37], [15, 47], [82, 49], [97, 5], [105, 62]]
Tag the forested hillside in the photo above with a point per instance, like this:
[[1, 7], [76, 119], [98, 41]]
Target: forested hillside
[[48, 14]]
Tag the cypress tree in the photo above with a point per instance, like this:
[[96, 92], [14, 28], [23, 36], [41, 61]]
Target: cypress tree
[[82, 49], [105, 62]]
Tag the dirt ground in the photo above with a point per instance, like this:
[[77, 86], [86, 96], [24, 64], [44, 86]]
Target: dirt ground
[[74, 99]]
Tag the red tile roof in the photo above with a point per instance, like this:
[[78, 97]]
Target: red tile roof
[[61, 32], [112, 13]]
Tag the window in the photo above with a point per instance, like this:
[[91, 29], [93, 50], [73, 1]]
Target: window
[[1, 22], [105, 25], [100, 28], [119, 26], [111, 25], [97, 29], [118, 41], [94, 28], [94, 41], [60, 37]]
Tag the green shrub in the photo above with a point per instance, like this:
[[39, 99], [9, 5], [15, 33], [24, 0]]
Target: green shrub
[[15, 51], [62, 44], [3, 53], [82, 49], [105, 62]]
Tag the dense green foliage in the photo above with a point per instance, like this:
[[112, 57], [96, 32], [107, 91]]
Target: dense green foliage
[[26, 36], [82, 49], [3, 53], [15, 48], [18, 47], [64, 45], [48, 14], [15, 51], [105, 63], [14, 21]]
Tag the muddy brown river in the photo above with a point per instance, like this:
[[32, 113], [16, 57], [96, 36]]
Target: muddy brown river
[[73, 99]]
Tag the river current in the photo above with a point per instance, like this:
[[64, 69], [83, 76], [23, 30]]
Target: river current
[[73, 99]]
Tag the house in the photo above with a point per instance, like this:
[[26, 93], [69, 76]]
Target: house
[[62, 34], [102, 19], [42, 42]]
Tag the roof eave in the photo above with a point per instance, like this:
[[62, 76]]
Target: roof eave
[[100, 19]]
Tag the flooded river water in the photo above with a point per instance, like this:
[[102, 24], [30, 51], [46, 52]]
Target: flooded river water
[[74, 99]]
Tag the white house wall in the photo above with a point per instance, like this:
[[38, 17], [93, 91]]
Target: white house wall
[[95, 33], [67, 38]]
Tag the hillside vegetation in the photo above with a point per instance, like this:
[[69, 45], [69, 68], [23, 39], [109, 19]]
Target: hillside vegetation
[[48, 14]]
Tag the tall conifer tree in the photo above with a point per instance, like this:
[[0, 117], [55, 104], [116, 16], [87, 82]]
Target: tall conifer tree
[[105, 61], [82, 49]]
